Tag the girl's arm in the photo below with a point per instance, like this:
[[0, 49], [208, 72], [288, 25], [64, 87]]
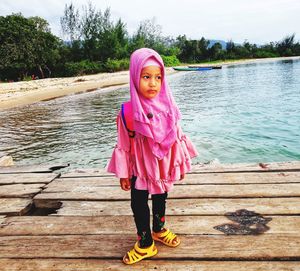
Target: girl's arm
[[120, 161]]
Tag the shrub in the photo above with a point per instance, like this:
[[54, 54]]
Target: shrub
[[170, 60], [264, 54], [114, 65], [83, 67]]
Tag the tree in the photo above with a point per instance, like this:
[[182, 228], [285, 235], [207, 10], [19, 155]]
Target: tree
[[70, 23], [26, 44], [45, 46], [91, 26], [215, 52], [192, 50], [286, 46], [148, 34]]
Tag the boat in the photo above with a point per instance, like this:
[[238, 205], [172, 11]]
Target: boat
[[213, 67], [192, 68]]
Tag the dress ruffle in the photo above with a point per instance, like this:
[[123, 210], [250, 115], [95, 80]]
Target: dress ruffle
[[120, 169], [156, 176]]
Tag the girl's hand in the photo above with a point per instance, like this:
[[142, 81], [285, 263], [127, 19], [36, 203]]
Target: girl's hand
[[181, 177], [125, 184]]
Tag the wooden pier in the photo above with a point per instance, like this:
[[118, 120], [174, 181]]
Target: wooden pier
[[232, 217]]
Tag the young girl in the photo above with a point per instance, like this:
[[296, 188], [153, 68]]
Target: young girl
[[151, 151]]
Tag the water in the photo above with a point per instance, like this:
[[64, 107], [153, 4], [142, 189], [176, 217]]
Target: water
[[245, 113]]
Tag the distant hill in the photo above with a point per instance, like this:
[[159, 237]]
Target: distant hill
[[222, 42]]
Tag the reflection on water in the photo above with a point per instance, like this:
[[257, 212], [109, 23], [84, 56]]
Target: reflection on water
[[246, 113]]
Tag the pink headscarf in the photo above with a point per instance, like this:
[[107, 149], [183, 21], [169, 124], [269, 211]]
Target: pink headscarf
[[160, 128]]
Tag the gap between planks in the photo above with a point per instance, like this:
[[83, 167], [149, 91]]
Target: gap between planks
[[148, 264]]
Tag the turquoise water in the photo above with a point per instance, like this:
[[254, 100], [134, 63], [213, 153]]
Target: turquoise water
[[245, 113]]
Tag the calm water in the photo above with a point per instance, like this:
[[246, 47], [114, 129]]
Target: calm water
[[246, 113]]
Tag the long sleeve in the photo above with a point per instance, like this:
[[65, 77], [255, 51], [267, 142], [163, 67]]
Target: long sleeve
[[120, 163]]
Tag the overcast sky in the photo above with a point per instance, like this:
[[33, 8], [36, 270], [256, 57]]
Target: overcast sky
[[258, 21]]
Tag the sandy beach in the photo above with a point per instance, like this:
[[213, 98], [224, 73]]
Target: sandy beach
[[23, 93]]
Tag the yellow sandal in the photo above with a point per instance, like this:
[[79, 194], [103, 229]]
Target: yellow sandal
[[137, 254], [166, 238]]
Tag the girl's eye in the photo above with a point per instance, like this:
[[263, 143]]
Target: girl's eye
[[146, 77], [158, 77]]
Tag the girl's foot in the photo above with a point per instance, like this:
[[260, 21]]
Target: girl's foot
[[137, 254], [166, 237]]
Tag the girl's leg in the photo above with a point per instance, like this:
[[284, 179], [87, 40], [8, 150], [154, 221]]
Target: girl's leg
[[141, 213], [158, 211]]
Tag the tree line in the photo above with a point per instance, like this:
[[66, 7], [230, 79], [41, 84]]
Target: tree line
[[94, 43]]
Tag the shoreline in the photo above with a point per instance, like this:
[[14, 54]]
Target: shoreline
[[29, 92]]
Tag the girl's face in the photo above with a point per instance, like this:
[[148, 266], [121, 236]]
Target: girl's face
[[150, 81]]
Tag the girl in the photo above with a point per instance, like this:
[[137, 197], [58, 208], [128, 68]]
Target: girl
[[151, 151]]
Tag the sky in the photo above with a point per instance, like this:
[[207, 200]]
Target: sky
[[257, 21]]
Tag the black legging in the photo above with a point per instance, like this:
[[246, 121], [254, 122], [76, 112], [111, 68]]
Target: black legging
[[141, 213]]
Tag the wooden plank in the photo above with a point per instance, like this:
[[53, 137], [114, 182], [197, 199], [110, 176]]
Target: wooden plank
[[20, 190], [244, 167], [99, 180], [93, 190], [27, 178], [14, 206], [148, 264], [208, 178], [31, 169], [235, 167], [263, 247], [264, 206], [61, 225], [86, 172], [236, 191], [25, 169], [240, 178]]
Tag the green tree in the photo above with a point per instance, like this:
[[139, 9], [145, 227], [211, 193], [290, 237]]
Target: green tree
[[26, 44], [286, 46], [148, 34], [70, 23], [215, 52], [192, 51]]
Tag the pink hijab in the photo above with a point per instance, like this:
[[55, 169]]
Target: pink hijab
[[160, 128]]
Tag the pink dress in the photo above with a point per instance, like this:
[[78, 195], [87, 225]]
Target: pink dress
[[156, 176]]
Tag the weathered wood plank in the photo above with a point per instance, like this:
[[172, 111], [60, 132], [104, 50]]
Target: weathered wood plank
[[264, 247], [236, 190], [20, 190], [14, 206], [60, 225], [265, 166], [86, 172], [93, 190], [265, 206], [25, 169], [149, 265], [31, 169], [240, 178], [27, 178], [235, 167], [208, 178]]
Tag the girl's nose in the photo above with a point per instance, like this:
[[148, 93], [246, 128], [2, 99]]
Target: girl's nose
[[152, 82]]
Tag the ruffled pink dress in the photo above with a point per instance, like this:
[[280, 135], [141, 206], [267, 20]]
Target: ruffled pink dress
[[156, 176]]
